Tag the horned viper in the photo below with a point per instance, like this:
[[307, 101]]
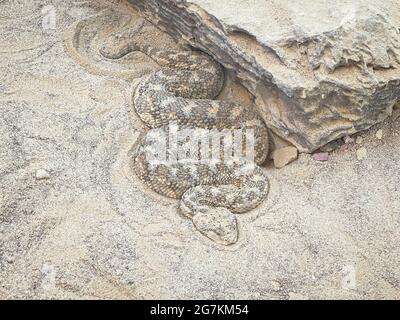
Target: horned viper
[[180, 96]]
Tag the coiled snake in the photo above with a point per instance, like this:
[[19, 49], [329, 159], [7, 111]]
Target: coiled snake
[[179, 96]]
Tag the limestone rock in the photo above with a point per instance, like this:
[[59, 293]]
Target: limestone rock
[[320, 70], [284, 156]]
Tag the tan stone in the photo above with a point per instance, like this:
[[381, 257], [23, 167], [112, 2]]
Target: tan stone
[[284, 156]]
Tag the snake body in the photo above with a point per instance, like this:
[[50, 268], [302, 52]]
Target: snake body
[[182, 93]]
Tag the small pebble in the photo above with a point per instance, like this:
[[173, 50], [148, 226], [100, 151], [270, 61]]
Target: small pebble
[[275, 285], [359, 140], [321, 156], [361, 153], [284, 156], [379, 134], [348, 140], [42, 174]]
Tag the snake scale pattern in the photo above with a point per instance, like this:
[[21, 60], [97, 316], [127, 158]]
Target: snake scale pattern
[[182, 92]]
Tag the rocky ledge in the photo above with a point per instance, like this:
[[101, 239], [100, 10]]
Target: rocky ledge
[[319, 70]]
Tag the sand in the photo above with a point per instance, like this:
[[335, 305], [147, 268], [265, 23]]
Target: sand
[[76, 224]]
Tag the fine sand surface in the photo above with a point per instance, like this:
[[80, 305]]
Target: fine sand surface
[[76, 223]]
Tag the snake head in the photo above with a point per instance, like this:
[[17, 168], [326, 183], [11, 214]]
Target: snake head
[[123, 42], [217, 224]]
